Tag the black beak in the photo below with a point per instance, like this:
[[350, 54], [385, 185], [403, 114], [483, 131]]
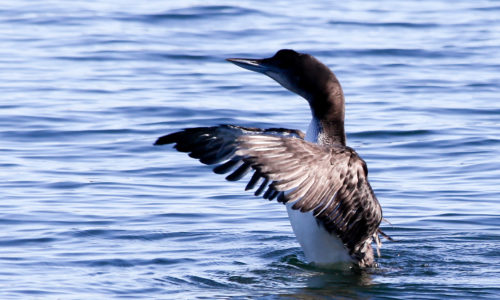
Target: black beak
[[256, 65]]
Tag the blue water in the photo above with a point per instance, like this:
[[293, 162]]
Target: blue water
[[90, 209]]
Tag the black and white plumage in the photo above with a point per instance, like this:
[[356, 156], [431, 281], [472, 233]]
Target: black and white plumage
[[333, 210]]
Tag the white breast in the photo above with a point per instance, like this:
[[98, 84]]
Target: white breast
[[319, 246]]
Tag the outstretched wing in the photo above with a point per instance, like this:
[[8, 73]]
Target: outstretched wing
[[329, 181], [212, 145]]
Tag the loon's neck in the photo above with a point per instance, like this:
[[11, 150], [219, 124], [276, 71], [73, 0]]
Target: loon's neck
[[325, 133], [327, 124]]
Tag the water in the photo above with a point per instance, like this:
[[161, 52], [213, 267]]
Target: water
[[90, 209]]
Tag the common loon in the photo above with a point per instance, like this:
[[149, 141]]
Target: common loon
[[331, 206]]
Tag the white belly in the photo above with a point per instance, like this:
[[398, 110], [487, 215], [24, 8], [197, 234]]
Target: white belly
[[319, 246]]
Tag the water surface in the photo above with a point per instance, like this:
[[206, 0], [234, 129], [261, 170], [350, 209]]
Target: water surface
[[90, 209]]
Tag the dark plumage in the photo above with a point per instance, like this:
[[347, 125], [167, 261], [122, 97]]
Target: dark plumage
[[326, 178]]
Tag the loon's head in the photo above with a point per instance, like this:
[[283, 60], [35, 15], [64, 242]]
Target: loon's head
[[298, 72]]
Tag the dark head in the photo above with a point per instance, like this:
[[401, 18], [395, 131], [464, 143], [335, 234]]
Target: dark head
[[304, 75]]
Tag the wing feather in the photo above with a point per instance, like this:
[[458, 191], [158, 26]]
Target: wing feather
[[329, 181]]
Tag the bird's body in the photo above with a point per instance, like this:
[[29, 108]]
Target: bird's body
[[318, 244], [332, 208]]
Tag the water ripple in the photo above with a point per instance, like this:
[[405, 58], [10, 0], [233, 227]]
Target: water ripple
[[91, 209]]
